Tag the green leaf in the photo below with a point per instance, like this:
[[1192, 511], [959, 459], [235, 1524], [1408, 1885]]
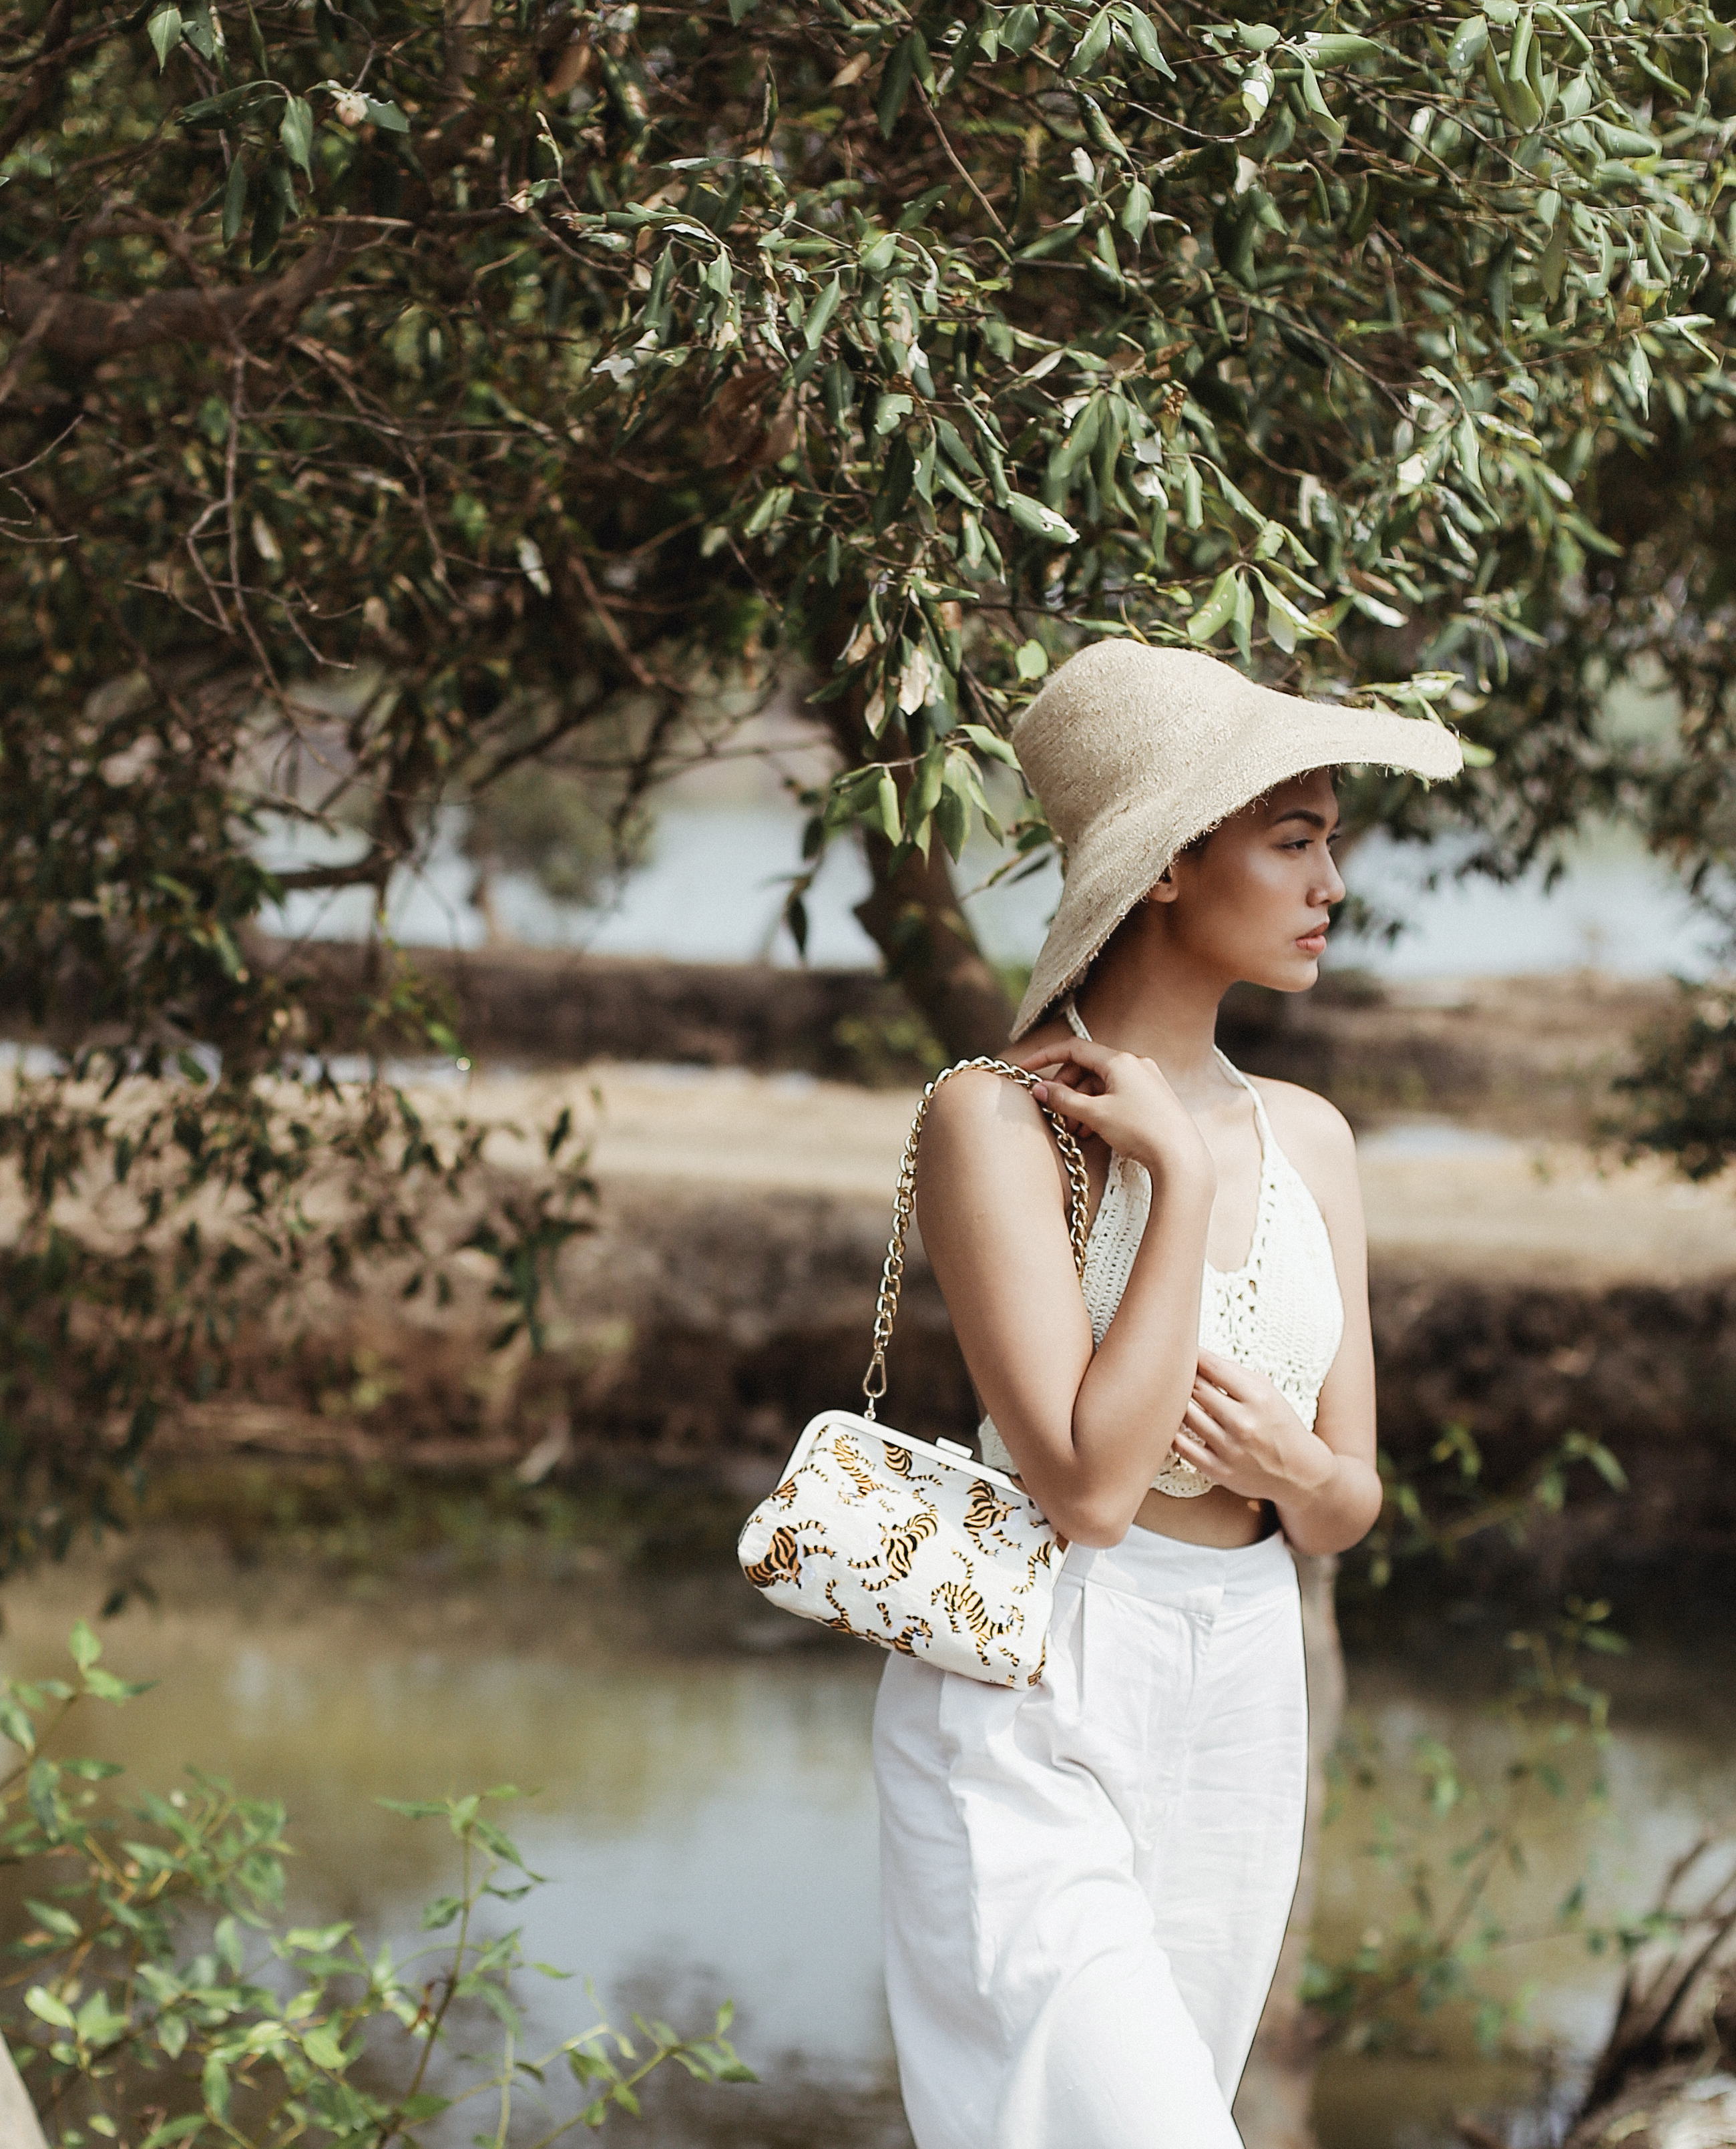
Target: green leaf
[[1037, 521], [209, 108], [296, 133], [386, 115], [1092, 46], [1218, 609], [1142, 32], [991, 743], [43, 2004], [106, 1687], [325, 2047], [896, 79], [952, 814], [1079, 442], [215, 2084], [1019, 32], [164, 30], [820, 313], [267, 226], [1319, 114], [54, 1920], [1332, 48], [82, 1642], [1032, 661], [1468, 41], [234, 200], [886, 805], [1285, 621]]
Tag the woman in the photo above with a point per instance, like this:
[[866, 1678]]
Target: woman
[[1086, 1883]]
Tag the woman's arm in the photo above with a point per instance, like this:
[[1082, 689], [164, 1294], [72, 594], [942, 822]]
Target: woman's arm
[[1241, 1431], [1087, 1431]]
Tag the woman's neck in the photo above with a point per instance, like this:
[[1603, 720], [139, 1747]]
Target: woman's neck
[[1145, 996]]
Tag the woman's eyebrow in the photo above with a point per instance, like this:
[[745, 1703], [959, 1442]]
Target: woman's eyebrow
[[1304, 814]]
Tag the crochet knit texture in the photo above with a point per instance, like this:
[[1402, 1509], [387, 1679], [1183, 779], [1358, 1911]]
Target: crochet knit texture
[[1279, 1312]]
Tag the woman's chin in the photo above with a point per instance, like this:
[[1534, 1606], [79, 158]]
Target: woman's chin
[[1291, 973]]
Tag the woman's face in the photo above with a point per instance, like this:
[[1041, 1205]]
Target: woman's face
[[1252, 900]]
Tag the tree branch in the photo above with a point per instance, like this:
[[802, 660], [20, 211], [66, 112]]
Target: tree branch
[[85, 330], [372, 870], [45, 71]]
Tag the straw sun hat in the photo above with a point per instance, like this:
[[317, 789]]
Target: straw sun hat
[[1135, 750]]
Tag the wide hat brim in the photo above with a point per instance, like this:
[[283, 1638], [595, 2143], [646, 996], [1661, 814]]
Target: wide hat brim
[[1136, 752]]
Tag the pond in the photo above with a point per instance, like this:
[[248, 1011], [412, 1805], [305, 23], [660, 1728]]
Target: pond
[[700, 1801], [712, 890]]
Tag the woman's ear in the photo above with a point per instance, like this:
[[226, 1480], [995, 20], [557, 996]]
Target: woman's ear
[[1163, 889]]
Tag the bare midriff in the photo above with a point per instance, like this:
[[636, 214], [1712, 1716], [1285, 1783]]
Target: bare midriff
[[1220, 1519]]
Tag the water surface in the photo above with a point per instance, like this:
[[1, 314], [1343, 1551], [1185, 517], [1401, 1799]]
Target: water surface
[[701, 1803]]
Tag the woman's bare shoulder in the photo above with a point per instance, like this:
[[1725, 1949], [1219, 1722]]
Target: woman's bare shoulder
[[1313, 1132], [978, 1107]]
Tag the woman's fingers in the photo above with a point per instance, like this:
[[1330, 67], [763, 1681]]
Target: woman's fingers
[[1070, 1104], [1067, 1051], [1200, 1421], [1227, 1374]]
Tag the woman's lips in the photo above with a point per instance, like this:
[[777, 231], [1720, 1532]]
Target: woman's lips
[[1313, 943]]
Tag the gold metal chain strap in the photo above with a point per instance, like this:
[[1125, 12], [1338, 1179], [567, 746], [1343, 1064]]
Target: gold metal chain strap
[[891, 1276]]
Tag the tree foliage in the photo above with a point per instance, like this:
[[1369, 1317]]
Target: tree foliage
[[400, 397]]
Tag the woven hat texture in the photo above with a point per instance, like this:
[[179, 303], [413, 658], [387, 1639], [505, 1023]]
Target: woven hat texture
[[1135, 750]]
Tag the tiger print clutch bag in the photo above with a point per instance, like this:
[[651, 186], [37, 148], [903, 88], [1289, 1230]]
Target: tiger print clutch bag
[[911, 1543]]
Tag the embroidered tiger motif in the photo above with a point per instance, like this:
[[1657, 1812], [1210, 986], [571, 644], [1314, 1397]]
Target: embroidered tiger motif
[[899, 1548], [842, 1620], [854, 1469], [905, 1643], [1040, 1557], [787, 1494], [984, 1514], [897, 1459], [785, 1552], [966, 1612]]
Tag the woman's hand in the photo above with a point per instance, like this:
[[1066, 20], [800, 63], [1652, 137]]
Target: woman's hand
[[1241, 1432], [1125, 1101]]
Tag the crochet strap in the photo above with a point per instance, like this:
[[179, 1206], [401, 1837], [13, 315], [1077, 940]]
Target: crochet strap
[[892, 1275]]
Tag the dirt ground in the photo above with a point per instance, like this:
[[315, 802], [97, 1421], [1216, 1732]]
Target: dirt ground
[[1475, 1173]]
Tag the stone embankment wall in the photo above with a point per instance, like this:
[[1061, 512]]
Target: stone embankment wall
[[697, 1329]]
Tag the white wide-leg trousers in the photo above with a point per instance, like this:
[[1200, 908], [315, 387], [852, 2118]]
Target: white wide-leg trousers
[[1085, 1883]]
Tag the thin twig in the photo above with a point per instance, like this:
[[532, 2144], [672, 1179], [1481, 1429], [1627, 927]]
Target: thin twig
[[628, 655], [952, 155]]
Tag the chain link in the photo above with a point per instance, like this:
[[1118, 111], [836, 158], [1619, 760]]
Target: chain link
[[892, 1275]]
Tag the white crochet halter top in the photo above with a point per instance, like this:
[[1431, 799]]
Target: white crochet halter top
[[1279, 1312]]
